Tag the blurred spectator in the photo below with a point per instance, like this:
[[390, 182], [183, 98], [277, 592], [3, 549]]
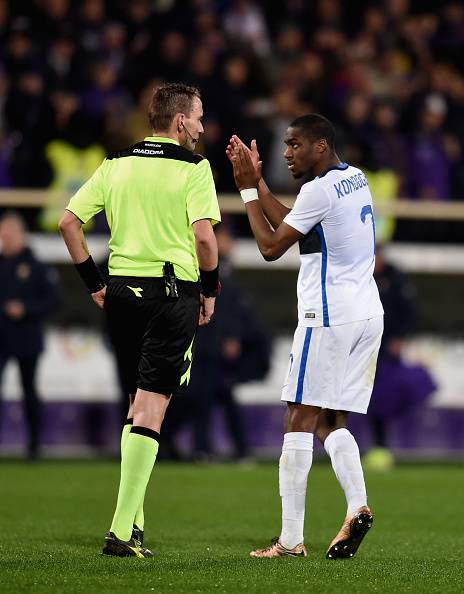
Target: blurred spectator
[[357, 131], [113, 50], [433, 153], [134, 125], [388, 73], [72, 153], [171, 61], [287, 107], [53, 19], [244, 23], [399, 387], [27, 114], [91, 23], [62, 68], [28, 294], [103, 96], [387, 144], [232, 349]]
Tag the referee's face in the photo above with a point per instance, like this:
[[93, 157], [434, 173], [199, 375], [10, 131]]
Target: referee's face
[[192, 125]]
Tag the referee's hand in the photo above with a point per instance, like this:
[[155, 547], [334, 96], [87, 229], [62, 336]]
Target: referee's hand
[[99, 297], [206, 310]]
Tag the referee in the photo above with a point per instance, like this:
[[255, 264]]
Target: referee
[[161, 205]]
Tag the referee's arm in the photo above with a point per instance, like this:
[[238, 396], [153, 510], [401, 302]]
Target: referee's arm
[[73, 235], [207, 254]]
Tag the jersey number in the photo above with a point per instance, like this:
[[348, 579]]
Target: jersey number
[[367, 210]]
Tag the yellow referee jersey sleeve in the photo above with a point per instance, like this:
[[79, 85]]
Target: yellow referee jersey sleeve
[[89, 200], [201, 194]]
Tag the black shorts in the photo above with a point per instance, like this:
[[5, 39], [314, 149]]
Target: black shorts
[[152, 335]]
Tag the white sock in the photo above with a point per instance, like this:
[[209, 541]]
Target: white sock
[[294, 466], [346, 462]]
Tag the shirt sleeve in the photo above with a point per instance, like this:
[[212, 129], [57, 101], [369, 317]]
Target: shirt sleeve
[[202, 202], [90, 198], [311, 206]]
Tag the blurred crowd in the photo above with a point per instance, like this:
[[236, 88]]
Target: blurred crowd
[[75, 78]]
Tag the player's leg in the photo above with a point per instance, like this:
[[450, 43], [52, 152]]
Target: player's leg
[[343, 450], [297, 450], [294, 466], [341, 445]]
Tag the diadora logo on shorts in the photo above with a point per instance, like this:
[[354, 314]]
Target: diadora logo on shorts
[[148, 152], [310, 315], [136, 290]]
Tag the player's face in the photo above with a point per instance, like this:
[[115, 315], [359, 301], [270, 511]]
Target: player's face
[[193, 126], [301, 154]]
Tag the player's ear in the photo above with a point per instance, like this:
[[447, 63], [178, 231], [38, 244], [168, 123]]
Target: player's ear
[[321, 145]]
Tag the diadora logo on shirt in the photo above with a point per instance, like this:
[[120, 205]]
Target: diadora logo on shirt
[[148, 152], [350, 185]]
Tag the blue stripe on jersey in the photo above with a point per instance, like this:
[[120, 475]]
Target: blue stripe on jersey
[[304, 359], [325, 307]]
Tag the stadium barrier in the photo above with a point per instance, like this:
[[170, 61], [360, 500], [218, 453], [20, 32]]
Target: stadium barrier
[[230, 203]]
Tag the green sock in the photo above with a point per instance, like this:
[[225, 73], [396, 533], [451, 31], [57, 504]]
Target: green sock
[[139, 516], [125, 434], [138, 458]]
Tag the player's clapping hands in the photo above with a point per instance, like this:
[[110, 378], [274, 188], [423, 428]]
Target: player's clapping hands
[[245, 162]]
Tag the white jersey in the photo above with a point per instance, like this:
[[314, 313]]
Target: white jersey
[[334, 212]]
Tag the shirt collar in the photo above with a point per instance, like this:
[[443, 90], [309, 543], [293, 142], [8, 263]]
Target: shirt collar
[[339, 167], [161, 139]]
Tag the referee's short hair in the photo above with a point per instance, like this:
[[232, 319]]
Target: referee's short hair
[[168, 100], [315, 127]]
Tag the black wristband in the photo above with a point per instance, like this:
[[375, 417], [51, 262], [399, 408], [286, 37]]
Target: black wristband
[[210, 285], [90, 274]]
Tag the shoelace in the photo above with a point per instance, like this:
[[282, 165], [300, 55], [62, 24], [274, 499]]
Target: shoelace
[[274, 541]]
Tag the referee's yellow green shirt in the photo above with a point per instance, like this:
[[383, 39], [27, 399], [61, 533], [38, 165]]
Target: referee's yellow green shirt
[[152, 193]]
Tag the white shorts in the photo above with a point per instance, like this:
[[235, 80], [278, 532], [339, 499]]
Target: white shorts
[[334, 367]]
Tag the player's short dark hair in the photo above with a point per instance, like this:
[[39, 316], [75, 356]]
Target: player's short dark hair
[[315, 127], [168, 100]]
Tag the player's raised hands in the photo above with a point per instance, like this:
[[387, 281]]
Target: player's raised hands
[[245, 173], [235, 142]]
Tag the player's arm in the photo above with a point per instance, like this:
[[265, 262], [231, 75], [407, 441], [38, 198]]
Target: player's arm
[[274, 211], [207, 254], [73, 235], [271, 244]]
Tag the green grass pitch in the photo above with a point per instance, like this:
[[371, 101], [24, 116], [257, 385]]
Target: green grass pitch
[[202, 522]]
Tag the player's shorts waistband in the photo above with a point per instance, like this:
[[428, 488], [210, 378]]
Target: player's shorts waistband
[[156, 284]]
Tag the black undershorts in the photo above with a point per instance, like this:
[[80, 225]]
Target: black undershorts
[[152, 335]]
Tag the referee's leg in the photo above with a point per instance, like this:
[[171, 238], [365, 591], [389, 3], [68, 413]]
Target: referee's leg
[[138, 458]]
